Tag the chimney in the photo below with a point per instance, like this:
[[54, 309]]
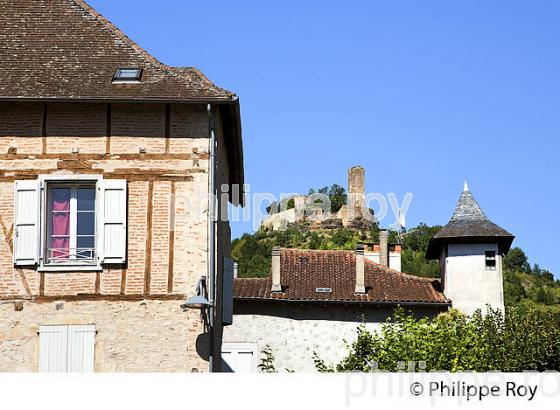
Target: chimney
[[276, 287], [360, 276], [384, 247], [235, 268]]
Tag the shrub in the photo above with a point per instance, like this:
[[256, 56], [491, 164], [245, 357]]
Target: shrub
[[526, 339]]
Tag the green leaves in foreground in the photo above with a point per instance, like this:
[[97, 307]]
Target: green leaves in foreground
[[523, 340]]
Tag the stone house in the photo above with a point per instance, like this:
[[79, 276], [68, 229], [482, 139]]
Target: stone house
[[314, 300], [106, 162]]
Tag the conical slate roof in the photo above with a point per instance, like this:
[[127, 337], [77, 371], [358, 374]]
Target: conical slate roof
[[469, 224]]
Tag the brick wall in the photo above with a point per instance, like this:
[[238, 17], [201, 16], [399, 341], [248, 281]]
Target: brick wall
[[163, 154]]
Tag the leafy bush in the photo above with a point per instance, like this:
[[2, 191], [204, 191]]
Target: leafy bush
[[524, 340]]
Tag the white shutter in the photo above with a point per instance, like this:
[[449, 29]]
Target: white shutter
[[113, 243], [67, 348], [26, 222], [81, 347], [53, 349], [239, 357], [227, 292]]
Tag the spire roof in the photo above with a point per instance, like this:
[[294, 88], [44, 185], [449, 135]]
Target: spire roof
[[469, 224]]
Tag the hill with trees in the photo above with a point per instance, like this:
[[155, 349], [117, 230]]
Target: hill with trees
[[524, 285]]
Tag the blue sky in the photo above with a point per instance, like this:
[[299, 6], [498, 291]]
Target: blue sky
[[422, 93]]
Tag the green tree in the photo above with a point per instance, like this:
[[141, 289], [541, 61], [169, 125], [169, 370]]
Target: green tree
[[517, 260], [523, 339]]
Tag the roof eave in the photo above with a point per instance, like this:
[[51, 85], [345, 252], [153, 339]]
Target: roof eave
[[347, 302], [177, 100], [434, 246]]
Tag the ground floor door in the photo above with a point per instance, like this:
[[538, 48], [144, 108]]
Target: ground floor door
[[239, 357]]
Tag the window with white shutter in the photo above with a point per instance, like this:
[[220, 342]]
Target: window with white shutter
[[67, 349], [114, 221], [26, 222], [73, 222]]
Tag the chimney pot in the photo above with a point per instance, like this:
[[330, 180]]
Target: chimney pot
[[276, 286], [360, 275]]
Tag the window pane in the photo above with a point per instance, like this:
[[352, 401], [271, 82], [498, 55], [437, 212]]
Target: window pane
[[128, 73], [59, 247], [86, 223], [60, 199], [85, 242], [60, 223], [86, 199]]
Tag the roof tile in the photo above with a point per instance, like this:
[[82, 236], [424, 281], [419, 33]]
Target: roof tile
[[302, 271], [64, 49]]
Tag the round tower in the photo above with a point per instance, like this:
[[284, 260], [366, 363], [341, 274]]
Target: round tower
[[470, 250]]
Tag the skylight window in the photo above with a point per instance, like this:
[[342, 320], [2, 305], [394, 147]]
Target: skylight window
[[128, 74]]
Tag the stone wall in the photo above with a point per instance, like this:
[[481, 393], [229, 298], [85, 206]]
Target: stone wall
[[294, 331], [139, 336]]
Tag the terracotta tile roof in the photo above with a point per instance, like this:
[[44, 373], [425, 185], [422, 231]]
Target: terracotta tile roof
[[303, 271], [64, 49]]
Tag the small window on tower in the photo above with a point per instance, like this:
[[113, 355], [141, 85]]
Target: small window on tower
[[128, 74], [490, 260]]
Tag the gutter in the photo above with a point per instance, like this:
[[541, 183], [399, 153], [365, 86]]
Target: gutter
[[211, 235]]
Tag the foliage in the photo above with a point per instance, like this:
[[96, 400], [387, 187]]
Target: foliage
[[267, 362], [526, 339], [252, 252], [337, 196], [516, 260], [415, 244], [285, 204]]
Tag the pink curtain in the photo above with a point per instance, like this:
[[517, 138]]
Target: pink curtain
[[60, 223]]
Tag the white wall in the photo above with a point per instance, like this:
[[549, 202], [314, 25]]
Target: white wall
[[468, 283], [394, 259], [295, 331], [280, 219]]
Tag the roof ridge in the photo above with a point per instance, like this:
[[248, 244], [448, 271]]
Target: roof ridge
[[118, 32], [157, 64], [318, 250], [407, 275]]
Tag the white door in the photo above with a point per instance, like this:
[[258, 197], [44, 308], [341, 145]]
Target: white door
[[66, 348], [239, 357]]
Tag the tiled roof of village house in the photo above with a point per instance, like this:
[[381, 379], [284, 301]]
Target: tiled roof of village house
[[66, 50], [303, 271], [469, 223]]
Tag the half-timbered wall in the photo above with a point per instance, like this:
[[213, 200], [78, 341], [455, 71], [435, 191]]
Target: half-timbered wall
[[162, 152]]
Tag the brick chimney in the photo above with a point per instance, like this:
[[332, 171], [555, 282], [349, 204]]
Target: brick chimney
[[276, 286], [384, 247], [360, 274]]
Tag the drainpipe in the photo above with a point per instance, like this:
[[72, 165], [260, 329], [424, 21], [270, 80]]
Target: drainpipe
[[211, 237]]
